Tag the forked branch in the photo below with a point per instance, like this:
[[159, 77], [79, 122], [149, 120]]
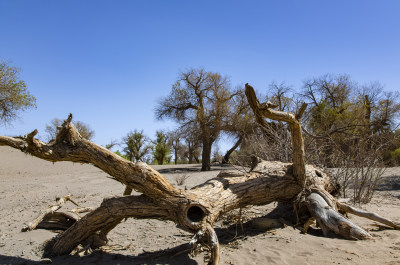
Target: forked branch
[[70, 146], [369, 215], [265, 110], [197, 209]]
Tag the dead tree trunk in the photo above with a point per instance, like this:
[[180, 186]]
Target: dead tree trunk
[[197, 209], [228, 153]]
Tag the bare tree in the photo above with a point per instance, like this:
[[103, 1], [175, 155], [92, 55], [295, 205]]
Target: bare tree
[[111, 144], [241, 123], [216, 155], [280, 95], [201, 97], [192, 142], [174, 138], [268, 140], [83, 128]]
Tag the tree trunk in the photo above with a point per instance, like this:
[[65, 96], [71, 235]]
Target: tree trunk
[[206, 155], [190, 153], [195, 210], [230, 151], [161, 160]]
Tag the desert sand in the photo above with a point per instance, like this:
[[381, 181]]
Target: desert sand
[[29, 185]]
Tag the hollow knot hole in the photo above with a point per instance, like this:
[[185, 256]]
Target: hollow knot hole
[[195, 214]]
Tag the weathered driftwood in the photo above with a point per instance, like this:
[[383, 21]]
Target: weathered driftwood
[[60, 202], [58, 221], [372, 216], [195, 210], [53, 219]]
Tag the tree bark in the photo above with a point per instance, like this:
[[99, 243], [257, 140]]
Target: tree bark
[[190, 151], [230, 151], [262, 111], [206, 155], [110, 211], [194, 210]]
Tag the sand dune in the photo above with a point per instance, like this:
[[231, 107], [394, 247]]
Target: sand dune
[[28, 185]]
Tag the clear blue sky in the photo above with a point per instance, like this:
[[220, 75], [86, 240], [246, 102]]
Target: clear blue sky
[[108, 62]]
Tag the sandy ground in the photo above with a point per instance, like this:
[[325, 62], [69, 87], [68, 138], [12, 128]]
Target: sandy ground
[[28, 185]]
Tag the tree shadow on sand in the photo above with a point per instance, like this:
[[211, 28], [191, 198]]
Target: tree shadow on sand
[[389, 183], [229, 236], [193, 168], [99, 257]]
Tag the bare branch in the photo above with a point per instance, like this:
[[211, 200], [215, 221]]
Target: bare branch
[[262, 112]]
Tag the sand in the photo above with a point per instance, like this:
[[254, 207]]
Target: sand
[[29, 185]]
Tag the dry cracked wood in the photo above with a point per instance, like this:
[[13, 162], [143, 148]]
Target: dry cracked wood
[[60, 202], [197, 209]]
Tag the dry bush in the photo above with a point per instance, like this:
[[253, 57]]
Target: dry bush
[[369, 170], [355, 164], [181, 179], [358, 179], [355, 160], [271, 143]]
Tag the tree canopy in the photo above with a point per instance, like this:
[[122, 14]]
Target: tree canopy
[[14, 96], [136, 146], [161, 149], [202, 98]]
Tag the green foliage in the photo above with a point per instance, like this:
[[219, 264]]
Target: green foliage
[[161, 149], [352, 130], [347, 117], [121, 155], [325, 119], [395, 156], [136, 146], [14, 96]]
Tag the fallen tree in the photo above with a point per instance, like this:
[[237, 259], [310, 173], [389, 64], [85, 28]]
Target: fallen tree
[[306, 187]]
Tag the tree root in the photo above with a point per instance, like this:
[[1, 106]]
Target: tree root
[[369, 215], [324, 209], [94, 226], [207, 233], [214, 245], [330, 220], [309, 222]]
